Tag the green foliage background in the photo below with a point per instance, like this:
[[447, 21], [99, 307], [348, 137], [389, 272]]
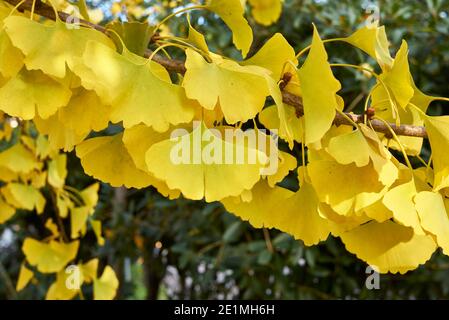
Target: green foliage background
[[193, 250]]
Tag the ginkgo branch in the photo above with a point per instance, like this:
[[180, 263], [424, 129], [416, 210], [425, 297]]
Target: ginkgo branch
[[179, 67]]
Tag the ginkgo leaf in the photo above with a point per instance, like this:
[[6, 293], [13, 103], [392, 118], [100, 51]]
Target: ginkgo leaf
[[353, 188], [350, 148], [266, 12], [398, 80], [12, 58], [196, 38], [433, 216], [378, 211], [106, 159], [373, 40], [240, 90], [198, 164], [52, 227], [135, 92], [411, 116], [263, 209], [274, 54], [64, 204], [89, 270], [6, 211], [25, 276], [400, 201], [25, 197], [78, 220], [62, 45], [135, 35], [438, 132], [138, 140], [96, 226], [84, 112], [361, 146], [338, 224], [90, 196], [30, 93], [269, 117], [59, 290], [57, 171], [105, 287], [49, 257], [319, 89], [59, 135], [231, 12], [389, 247], [18, 159], [286, 163]]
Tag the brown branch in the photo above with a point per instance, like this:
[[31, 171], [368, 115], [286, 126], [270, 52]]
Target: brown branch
[[179, 67]]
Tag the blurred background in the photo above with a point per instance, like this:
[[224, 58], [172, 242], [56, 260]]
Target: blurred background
[[162, 249]]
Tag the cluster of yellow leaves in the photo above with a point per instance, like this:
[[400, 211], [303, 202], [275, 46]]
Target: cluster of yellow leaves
[[29, 170], [390, 215]]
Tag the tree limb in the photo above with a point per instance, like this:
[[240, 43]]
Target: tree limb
[[179, 67]]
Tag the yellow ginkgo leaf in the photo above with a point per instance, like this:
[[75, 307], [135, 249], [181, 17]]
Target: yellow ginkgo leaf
[[63, 44], [6, 211], [25, 276], [138, 90], [202, 164], [78, 220], [52, 227], [266, 12], [59, 289], [263, 209], [96, 226], [319, 91], [105, 287], [138, 140], [240, 90], [59, 135], [286, 163], [400, 201], [399, 79], [18, 159], [43, 148], [49, 257], [338, 224], [373, 40], [84, 112], [106, 159], [270, 118], [57, 171], [378, 211], [351, 147], [12, 58], [196, 38], [353, 188], [410, 115], [274, 54], [389, 247], [438, 132], [90, 196], [25, 197], [433, 216], [31, 92], [231, 12], [64, 204], [89, 270]]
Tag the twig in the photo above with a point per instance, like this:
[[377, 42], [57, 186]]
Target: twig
[[179, 67], [12, 294]]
